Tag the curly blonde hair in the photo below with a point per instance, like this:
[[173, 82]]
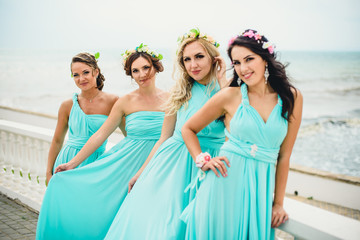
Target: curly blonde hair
[[180, 94]]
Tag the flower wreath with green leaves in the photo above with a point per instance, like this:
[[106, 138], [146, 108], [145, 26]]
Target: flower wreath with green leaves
[[195, 33], [142, 48]]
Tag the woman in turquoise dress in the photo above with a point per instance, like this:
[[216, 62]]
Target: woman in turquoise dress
[[82, 115], [153, 207], [262, 117], [81, 203]]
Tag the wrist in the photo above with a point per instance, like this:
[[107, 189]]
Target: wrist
[[279, 203], [72, 165], [202, 159]]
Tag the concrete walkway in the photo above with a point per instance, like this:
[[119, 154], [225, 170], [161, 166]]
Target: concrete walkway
[[19, 222], [16, 221]]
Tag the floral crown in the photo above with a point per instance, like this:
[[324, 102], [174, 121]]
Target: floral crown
[[195, 33], [141, 48], [259, 38]]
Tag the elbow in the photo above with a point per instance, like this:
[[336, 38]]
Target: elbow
[[185, 129]]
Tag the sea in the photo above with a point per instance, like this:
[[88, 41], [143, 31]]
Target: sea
[[329, 136]]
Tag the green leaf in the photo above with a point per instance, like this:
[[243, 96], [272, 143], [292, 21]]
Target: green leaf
[[141, 45], [160, 57], [97, 55], [72, 75]]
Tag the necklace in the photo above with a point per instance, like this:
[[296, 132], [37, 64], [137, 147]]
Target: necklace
[[91, 99]]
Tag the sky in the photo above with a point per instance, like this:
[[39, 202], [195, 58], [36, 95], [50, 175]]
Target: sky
[[320, 25]]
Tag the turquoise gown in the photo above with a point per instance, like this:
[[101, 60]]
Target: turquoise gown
[[81, 127], [239, 206], [153, 207], [81, 203]]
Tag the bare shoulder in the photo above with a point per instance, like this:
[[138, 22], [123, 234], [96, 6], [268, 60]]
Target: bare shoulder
[[66, 106], [297, 94], [163, 94], [111, 98], [229, 93], [129, 96]]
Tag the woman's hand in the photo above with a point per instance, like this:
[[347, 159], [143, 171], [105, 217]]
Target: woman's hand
[[132, 182], [48, 177], [279, 216], [63, 167], [217, 164], [220, 73]]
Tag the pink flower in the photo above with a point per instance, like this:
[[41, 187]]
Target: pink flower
[[202, 159], [249, 34], [232, 40], [257, 36], [271, 49]]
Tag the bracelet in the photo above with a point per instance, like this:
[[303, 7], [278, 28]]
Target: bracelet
[[202, 159]]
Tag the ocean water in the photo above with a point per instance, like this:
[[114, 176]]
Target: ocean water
[[329, 137]]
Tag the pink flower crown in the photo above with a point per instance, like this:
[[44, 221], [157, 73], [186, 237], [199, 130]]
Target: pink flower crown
[[259, 38]]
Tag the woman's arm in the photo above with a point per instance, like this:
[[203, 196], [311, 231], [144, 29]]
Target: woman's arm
[[122, 126], [282, 168], [59, 136], [213, 109], [97, 138], [167, 131]]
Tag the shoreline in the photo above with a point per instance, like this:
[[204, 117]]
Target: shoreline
[[49, 121]]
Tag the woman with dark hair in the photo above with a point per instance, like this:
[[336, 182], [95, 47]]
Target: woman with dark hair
[[81, 203], [262, 117], [83, 115]]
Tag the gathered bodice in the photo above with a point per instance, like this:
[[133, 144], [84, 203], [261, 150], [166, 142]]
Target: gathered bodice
[[250, 136], [82, 126], [200, 94], [144, 125]]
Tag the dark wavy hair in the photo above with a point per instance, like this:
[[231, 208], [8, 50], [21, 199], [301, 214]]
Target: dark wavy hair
[[277, 79], [90, 60], [153, 61]]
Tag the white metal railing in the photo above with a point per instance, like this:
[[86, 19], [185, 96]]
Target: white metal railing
[[23, 160]]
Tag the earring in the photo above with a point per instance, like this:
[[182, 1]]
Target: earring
[[266, 74]]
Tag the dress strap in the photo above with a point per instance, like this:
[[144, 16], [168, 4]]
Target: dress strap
[[75, 101], [75, 98], [244, 94], [279, 100]]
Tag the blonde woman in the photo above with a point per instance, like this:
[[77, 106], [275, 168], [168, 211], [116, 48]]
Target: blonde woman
[[153, 207]]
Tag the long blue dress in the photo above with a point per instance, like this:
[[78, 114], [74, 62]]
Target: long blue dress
[[239, 206], [153, 207], [81, 203], [81, 127]]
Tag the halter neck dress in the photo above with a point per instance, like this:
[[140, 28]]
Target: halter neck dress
[[239, 206]]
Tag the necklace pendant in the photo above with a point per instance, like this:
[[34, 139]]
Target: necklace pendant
[[90, 100]]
